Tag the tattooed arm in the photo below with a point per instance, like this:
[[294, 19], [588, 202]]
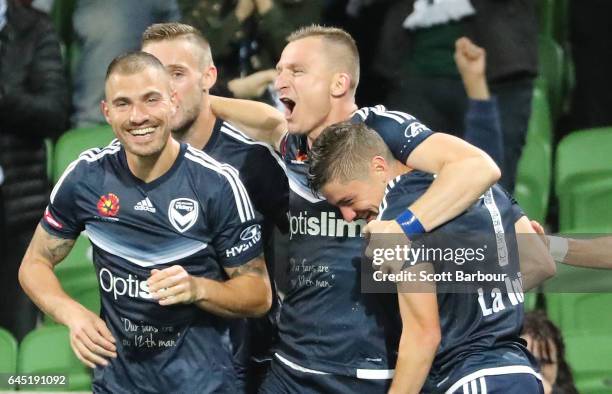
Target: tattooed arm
[[91, 340], [246, 293]]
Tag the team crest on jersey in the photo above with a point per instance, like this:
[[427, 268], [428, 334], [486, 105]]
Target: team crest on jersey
[[183, 213], [108, 205], [414, 129]]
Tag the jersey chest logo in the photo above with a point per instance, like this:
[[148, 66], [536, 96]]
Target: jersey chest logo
[[183, 213]]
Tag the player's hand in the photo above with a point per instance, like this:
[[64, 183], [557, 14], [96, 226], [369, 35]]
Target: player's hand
[[173, 285], [470, 58], [90, 339], [384, 239], [537, 227], [244, 9]]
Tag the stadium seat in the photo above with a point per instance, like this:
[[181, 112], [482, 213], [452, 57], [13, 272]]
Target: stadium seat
[[590, 358], [8, 352], [552, 76], [581, 313], [46, 350], [584, 181], [534, 171], [75, 141]]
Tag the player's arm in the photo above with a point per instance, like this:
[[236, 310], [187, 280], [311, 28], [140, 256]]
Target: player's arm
[[420, 335], [259, 121], [464, 173], [587, 253], [246, 293], [90, 339], [536, 262]]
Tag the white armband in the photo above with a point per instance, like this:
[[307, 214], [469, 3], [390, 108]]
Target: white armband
[[558, 247]]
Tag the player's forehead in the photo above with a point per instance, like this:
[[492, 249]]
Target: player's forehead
[[137, 84], [178, 51], [305, 51]]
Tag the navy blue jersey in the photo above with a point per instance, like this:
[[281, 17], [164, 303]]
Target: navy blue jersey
[[327, 324], [480, 323], [261, 171], [197, 215]]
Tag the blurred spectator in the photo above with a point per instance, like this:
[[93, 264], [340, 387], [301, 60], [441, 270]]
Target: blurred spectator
[[482, 126], [424, 80], [34, 104], [247, 38], [590, 37], [103, 30], [545, 342], [363, 19]]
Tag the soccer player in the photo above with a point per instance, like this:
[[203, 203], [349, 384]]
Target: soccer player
[[176, 247], [472, 344], [332, 336], [187, 56]]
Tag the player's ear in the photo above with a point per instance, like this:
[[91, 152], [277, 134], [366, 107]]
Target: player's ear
[[105, 111], [341, 84], [209, 77], [173, 102], [378, 165]]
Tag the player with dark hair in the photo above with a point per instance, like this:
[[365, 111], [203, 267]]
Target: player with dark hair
[[472, 343], [187, 56], [176, 247]]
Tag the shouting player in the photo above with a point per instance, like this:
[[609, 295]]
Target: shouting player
[[176, 247], [333, 338]]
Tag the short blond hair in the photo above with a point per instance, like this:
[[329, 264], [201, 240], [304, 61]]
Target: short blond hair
[[174, 30], [347, 57]]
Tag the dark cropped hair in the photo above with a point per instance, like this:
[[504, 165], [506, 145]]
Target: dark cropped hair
[[133, 62], [343, 152]]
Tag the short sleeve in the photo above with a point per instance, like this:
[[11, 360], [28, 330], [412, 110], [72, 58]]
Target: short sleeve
[[61, 216], [401, 132], [237, 238]]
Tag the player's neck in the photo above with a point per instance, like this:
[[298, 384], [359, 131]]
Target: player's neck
[[340, 112], [201, 130], [149, 168], [396, 169]]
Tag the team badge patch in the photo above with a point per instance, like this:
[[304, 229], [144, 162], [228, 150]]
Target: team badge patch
[[108, 205], [183, 213]]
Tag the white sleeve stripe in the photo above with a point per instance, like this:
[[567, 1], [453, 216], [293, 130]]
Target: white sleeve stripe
[[402, 114], [250, 213], [238, 200], [241, 186], [243, 202], [236, 131], [398, 119], [89, 155]]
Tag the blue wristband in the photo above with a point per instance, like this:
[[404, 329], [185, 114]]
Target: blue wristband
[[410, 223]]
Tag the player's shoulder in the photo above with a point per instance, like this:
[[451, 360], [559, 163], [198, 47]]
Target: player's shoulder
[[384, 121], [403, 191], [92, 160], [233, 135], [206, 170]]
